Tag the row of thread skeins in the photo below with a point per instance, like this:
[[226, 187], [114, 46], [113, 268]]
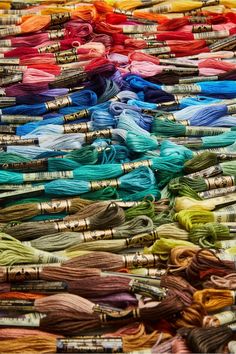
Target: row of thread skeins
[[178, 316]]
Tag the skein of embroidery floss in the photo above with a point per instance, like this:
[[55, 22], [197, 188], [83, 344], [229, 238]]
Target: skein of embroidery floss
[[82, 98], [61, 241], [110, 216]]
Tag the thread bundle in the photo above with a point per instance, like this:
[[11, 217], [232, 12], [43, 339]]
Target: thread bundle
[[117, 176]]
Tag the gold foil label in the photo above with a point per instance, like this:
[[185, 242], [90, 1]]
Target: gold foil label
[[25, 165], [20, 142], [72, 225], [21, 273], [40, 286], [147, 290], [130, 166], [226, 214], [50, 48], [58, 103], [205, 131], [76, 128], [156, 273], [141, 240], [217, 192], [10, 31], [189, 80], [47, 176], [140, 260], [9, 61], [59, 34], [155, 51], [103, 134], [114, 316], [97, 185], [139, 28], [201, 28], [198, 19], [231, 108], [98, 235], [182, 88], [90, 345], [219, 182], [212, 35], [70, 58], [77, 115], [26, 320], [55, 206], [19, 119], [208, 172], [58, 18], [7, 129], [225, 317], [17, 305]]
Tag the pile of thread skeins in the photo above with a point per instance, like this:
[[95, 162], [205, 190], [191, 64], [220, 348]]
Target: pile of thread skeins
[[117, 176]]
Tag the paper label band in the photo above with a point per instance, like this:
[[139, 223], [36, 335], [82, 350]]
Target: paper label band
[[95, 345], [98, 235], [140, 260], [147, 290], [227, 244], [208, 172], [198, 19], [17, 305], [10, 79], [202, 28], [55, 206], [184, 71], [212, 35], [226, 317], [115, 316], [219, 182], [20, 142], [47, 176], [27, 320], [182, 89], [50, 48], [103, 134], [231, 108], [157, 50], [72, 225], [76, 128], [10, 31], [58, 18], [97, 185], [77, 115], [161, 9], [139, 28], [21, 273], [156, 273], [7, 129], [58, 103], [217, 192], [19, 119], [205, 131], [226, 214], [40, 286], [9, 61], [69, 58], [22, 192], [187, 80], [130, 166], [58, 34], [141, 240], [35, 164], [5, 43]]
